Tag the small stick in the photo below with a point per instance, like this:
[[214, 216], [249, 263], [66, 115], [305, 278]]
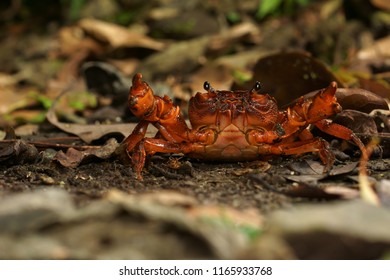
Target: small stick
[[367, 192]]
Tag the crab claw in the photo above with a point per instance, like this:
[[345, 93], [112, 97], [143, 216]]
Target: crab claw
[[139, 87], [141, 98], [324, 104]]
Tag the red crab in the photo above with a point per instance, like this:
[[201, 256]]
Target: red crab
[[233, 125]]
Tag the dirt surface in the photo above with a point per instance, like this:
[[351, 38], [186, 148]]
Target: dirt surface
[[185, 209], [238, 185]]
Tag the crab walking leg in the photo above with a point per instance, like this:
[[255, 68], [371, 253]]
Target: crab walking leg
[[317, 145], [150, 146], [341, 132], [136, 136]]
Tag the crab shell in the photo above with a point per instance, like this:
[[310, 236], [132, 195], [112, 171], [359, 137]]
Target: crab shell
[[231, 115]]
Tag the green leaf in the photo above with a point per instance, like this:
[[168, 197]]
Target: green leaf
[[267, 7]]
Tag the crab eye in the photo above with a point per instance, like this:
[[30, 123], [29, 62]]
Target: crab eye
[[206, 85], [257, 86]]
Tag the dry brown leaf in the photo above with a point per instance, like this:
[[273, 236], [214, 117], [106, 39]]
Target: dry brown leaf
[[11, 100], [17, 151], [357, 121], [379, 50], [91, 132], [360, 100], [289, 75], [72, 158], [382, 4], [227, 38], [117, 36], [219, 76]]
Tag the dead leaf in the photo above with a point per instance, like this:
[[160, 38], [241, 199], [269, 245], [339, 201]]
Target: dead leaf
[[382, 120], [357, 121], [73, 157], [305, 190], [219, 76], [289, 75], [227, 38], [176, 58], [17, 151], [91, 132], [117, 36], [343, 169], [12, 99], [360, 100], [307, 179], [311, 171], [382, 4], [380, 49], [376, 85]]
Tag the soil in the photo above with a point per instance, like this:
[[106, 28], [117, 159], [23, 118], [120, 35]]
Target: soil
[[238, 185]]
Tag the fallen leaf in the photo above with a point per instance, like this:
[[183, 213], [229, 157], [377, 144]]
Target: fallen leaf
[[305, 190], [355, 99], [17, 151], [289, 75], [117, 36], [91, 132], [382, 4], [73, 157], [380, 49], [360, 100], [357, 121], [175, 58], [227, 38]]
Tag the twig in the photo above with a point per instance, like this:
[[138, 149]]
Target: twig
[[43, 144], [367, 192]]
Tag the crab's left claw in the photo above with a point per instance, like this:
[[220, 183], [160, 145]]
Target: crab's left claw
[[324, 104], [141, 99]]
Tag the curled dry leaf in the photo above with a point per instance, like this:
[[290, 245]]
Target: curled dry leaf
[[72, 158]]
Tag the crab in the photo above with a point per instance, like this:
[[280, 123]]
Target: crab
[[239, 125]]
